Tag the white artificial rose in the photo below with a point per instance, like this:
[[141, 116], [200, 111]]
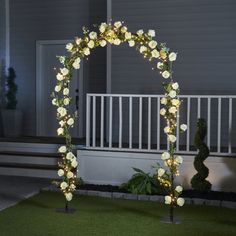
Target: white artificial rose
[[183, 127], [91, 44], [62, 149], [180, 201], [93, 35], [74, 163], [179, 159], [164, 101], [62, 123], [66, 91], [72, 186], [172, 110], [68, 196], [167, 200], [69, 46], [131, 43], [140, 32], [60, 131], [159, 65], [161, 172], [60, 77], [69, 175], [179, 189], [163, 111], [64, 71], [117, 42], [118, 24], [78, 41], [172, 56], [54, 101], [62, 111], [172, 138], [70, 156], [155, 53], [60, 172], [151, 33], [64, 185], [143, 49], [165, 155], [128, 35], [62, 59], [167, 129], [76, 63], [124, 29], [166, 74], [66, 101], [70, 121], [86, 51], [58, 88], [152, 44], [172, 94], [103, 43], [175, 102], [102, 27], [175, 85]]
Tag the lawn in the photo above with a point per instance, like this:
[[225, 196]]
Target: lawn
[[111, 217]]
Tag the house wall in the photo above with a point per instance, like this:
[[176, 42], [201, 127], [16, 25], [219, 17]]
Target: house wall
[[48, 20], [202, 32]]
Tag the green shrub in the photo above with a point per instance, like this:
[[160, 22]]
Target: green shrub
[[199, 181], [11, 90], [143, 183]]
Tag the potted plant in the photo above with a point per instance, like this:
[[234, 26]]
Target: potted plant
[[11, 117]]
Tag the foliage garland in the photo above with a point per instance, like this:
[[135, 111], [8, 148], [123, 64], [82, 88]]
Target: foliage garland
[[116, 34]]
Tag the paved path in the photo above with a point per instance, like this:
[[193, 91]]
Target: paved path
[[13, 189]]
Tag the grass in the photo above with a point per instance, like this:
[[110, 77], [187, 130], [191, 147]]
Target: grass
[[111, 217]]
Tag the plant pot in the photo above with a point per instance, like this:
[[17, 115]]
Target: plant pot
[[12, 122]]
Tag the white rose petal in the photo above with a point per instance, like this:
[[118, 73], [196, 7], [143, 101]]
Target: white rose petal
[[123, 29], [60, 77], [118, 24], [54, 101], [172, 138], [161, 172], [60, 131], [152, 44], [172, 93], [180, 201], [64, 185], [76, 63], [167, 200], [78, 41], [70, 156], [64, 71], [151, 33], [143, 49], [179, 159], [167, 129], [131, 43], [86, 51], [93, 35], [74, 163], [72, 186], [172, 110], [183, 127], [91, 44], [140, 32], [61, 123], [172, 56], [164, 101], [175, 85], [66, 91], [60, 172], [128, 35], [66, 101], [103, 43], [166, 74], [62, 59], [70, 121], [69, 175], [62, 111], [165, 155], [68, 196], [175, 102], [117, 42], [163, 111], [155, 53], [159, 65], [69, 46], [62, 149], [179, 189], [58, 88]]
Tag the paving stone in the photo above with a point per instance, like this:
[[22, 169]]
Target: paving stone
[[157, 198], [131, 196], [228, 204], [118, 195], [105, 194], [144, 197], [198, 201]]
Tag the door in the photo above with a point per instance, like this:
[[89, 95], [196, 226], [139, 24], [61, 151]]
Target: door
[[46, 69]]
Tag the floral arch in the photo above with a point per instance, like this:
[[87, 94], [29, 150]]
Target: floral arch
[[145, 43]]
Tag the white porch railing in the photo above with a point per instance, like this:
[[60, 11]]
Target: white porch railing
[[125, 122]]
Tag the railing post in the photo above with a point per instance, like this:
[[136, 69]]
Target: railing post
[[149, 122], [120, 122], [230, 127], [88, 102], [130, 122], [110, 120], [140, 121], [102, 123], [219, 126]]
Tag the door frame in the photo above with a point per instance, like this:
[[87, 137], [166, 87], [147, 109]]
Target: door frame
[[40, 123]]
